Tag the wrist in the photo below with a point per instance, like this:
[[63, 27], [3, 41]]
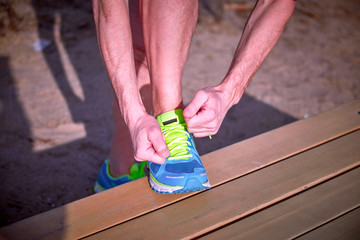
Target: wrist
[[132, 114], [231, 90]]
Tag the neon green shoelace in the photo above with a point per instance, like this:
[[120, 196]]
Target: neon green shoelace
[[176, 139]]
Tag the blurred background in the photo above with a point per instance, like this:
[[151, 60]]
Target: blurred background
[[55, 97]]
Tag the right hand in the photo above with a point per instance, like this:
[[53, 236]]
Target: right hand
[[148, 140]]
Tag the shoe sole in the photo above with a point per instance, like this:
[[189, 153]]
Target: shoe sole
[[192, 185]]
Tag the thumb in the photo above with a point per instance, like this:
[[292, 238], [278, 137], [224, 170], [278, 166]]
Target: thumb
[[195, 105], [158, 142]]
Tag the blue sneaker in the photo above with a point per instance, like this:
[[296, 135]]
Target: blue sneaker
[[182, 171], [105, 181]]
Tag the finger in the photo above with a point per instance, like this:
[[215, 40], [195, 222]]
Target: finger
[[155, 158], [145, 151], [151, 156], [203, 134], [195, 105], [210, 126], [202, 118], [200, 130], [158, 142]]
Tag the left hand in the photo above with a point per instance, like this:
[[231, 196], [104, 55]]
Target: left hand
[[206, 111]]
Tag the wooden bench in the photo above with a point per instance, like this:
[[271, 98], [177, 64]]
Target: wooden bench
[[301, 180]]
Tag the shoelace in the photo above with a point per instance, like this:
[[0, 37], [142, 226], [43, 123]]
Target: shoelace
[[178, 146]]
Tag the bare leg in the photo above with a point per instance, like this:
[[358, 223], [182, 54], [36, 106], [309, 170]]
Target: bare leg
[[167, 43], [168, 27], [121, 153]]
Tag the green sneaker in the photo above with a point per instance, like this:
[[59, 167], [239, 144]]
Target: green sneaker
[[105, 181]]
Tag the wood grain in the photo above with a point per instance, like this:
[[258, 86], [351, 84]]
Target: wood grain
[[344, 227], [244, 196], [101, 211], [299, 214]]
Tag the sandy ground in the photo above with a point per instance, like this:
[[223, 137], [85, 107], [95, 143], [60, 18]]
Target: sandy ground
[[55, 104]]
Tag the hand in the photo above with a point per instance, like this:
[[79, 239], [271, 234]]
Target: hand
[[148, 140], [206, 111]]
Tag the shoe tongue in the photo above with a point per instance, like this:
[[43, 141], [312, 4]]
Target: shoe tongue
[[171, 117], [174, 118]]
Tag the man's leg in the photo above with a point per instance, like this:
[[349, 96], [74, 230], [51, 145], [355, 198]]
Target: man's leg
[[121, 153], [168, 27]]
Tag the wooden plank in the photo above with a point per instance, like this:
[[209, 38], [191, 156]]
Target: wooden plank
[[298, 214], [281, 143], [344, 227], [100, 211], [243, 196]]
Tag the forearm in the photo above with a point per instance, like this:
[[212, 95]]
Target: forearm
[[260, 34], [115, 43]]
